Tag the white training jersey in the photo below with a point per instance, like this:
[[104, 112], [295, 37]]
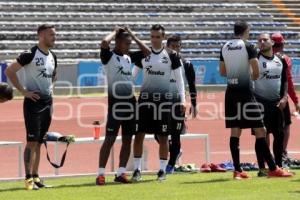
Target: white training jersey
[[271, 77], [236, 55], [157, 68], [40, 68], [118, 72]]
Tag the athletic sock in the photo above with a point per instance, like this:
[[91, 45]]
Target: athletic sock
[[137, 163], [278, 147], [101, 171], [35, 176], [28, 176], [235, 153], [121, 171], [266, 152], [163, 164], [259, 155]]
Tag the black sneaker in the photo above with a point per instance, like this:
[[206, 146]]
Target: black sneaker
[[262, 173], [161, 175], [122, 179], [136, 176]]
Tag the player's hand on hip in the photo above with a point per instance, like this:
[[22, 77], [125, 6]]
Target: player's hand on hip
[[31, 95], [282, 103]]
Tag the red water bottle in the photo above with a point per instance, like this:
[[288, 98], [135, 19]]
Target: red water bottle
[[96, 130]]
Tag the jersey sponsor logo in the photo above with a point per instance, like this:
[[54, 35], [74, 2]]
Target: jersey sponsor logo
[[233, 48], [278, 64], [164, 60], [152, 72], [173, 80], [110, 129], [125, 73], [267, 75], [44, 74]]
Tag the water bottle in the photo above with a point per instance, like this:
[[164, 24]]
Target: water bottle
[[96, 130]]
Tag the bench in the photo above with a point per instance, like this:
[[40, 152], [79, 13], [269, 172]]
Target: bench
[[91, 140]]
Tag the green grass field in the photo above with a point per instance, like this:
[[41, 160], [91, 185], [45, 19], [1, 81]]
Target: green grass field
[[178, 186]]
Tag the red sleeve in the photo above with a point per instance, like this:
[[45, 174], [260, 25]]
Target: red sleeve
[[291, 88]]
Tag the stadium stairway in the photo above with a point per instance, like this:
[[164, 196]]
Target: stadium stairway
[[203, 25]]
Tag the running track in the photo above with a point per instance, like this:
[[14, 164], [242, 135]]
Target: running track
[[84, 158]]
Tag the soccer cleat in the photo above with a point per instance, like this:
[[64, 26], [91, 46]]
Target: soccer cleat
[[136, 176], [161, 175], [205, 168], [169, 169], [29, 184], [216, 168], [37, 181], [278, 172], [240, 175], [262, 173], [100, 180], [122, 178]]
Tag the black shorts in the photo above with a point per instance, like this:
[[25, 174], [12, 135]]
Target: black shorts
[[154, 116], [241, 110], [176, 124], [121, 113], [274, 120], [38, 116], [287, 115]]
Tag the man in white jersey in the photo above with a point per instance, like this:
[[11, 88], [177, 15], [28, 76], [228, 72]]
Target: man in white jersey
[[39, 64], [177, 121], [6, 92], [121, 101], [154, 105], [271, 90], [238, 62]]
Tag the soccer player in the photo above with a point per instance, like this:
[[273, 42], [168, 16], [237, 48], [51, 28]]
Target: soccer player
[[121, 101], [238, 58], [6, 92], [177, 118], [278, 48], [271, 90], [40, 65], [154, 104]]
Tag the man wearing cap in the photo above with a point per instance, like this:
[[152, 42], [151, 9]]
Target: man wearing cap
[[278, 48]]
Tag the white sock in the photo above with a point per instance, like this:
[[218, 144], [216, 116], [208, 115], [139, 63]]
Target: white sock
[[121, 171], [101, 171], [163, 164], [137, 163]]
